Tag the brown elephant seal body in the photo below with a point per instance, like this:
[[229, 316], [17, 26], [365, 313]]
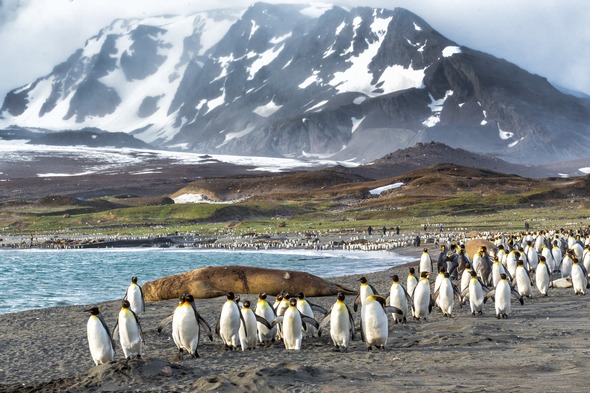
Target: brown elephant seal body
[[214, 281], [473, 246]]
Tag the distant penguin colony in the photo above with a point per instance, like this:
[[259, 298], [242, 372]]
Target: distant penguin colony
[[519, 266]]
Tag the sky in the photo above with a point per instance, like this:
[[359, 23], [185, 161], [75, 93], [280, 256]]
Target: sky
[[546, 37]]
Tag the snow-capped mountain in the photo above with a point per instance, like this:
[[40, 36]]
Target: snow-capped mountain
[[296, 81]]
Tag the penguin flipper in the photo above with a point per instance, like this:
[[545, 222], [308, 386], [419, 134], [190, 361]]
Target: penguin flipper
[[362, 331], [318, 308], [435, 295], [164, 322], [142, 299], [357, 301], [242, 320], [517, 295], [393, 310], [277, 321], [488, 295], [205, 326], [218, 326], [263, 321], [115, 330], [351, 319], [305, 319], [457, 293], [324, 323]]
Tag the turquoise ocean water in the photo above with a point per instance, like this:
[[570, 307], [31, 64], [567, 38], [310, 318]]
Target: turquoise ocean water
[[35, 278]]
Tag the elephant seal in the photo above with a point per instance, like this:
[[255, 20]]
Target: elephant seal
[[214, 281]]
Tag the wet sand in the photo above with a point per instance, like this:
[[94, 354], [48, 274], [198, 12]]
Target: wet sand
[[541, 347]]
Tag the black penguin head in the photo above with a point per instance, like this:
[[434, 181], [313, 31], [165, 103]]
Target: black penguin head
[[447, 275], [473, 273], [134, 280], [425, 250], [520, 262], [287, 296], [395, 278], [246, 304], [363, 280], [300, 295], [125, 304], [230, 296], [424, 274], [341, 296], [262, 295], [182, 298], [503, 276], [293, 302], [279, 297], [542, 258], [93, 310], [412, 270], [189, 298], [442, 269]]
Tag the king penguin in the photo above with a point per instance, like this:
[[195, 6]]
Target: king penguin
[[265, 310], [130, 333], [579, 277], [476, 294], [248, 342], [566, 264], [228, 324], [292, 322], [307, 308], [523, 280], [341, 324], [543, 276], [399, 297], [100, 340], [411, 281], [445, 295], [187, 324], [426, 262], [134, 295], [365, 290], [422, 298], [374, 323], [503, 297]]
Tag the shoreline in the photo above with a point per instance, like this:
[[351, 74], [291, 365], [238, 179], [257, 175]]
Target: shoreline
[[540, 347], [152, 264]]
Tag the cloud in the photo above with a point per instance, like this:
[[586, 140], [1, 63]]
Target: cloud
[[549, 38]]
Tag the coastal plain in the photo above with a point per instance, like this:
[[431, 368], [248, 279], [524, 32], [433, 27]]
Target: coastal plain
[[541, 347]]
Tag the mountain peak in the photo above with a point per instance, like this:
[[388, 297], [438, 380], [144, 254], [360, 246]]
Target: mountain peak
[[297, 80]]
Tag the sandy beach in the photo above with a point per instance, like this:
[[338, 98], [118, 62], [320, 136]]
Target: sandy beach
[[541, 347]]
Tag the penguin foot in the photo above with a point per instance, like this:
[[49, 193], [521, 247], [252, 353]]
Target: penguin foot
[[196, 354], [499, 316], [369, 348]]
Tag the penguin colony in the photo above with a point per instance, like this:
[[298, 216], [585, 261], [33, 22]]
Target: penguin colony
[[509, 271]]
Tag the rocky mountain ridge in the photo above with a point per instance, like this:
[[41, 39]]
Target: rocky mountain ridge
[[300, 81]]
